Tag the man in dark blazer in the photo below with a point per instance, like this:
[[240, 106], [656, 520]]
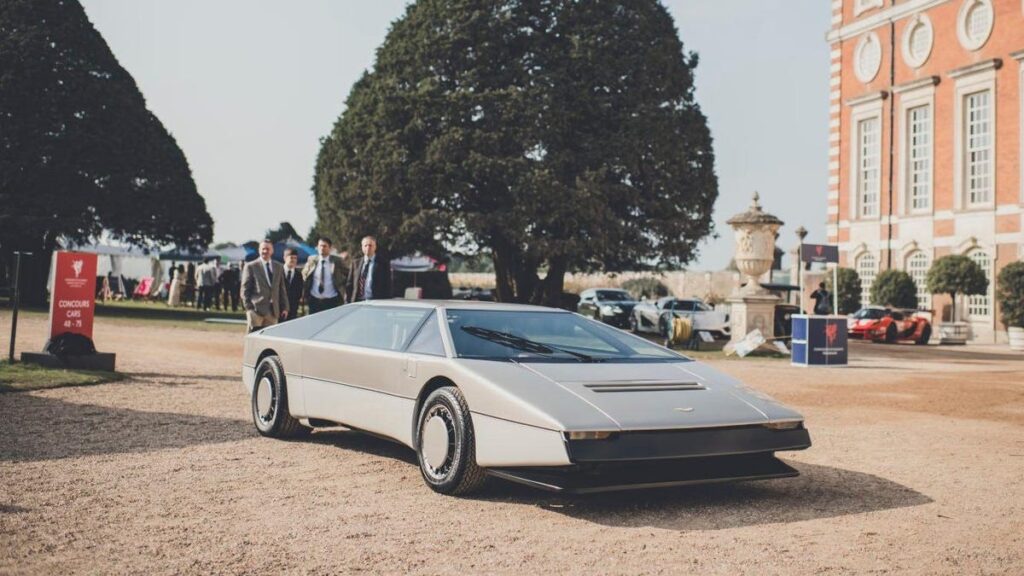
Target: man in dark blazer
[[370, 275], [263, 294], [324, 278], [292, 281]]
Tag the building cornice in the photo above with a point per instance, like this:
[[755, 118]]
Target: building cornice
[[983, 66], [1018, 56], [866, 98], [916, 84], [880, 19]]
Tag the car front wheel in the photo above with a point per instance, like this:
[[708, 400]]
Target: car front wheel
[[270, 402], [445, 444], [633, 325]]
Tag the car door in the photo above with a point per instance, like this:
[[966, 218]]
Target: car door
[[354, 370]]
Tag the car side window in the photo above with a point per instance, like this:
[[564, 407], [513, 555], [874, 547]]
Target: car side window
[[374, 327], [428, 339]]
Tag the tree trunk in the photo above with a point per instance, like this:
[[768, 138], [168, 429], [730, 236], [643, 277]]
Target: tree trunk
[[515, 274], [550, 291]]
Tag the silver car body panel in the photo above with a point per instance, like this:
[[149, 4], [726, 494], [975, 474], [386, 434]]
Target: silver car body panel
[[520, 410]]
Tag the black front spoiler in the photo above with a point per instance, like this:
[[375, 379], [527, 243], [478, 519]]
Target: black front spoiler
[[609, 477]]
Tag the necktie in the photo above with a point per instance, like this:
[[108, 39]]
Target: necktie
[[323, 266], [270, 275], [361, 287], [289, 276]]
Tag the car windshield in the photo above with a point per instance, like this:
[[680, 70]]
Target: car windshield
[[538, 336], [614, 296], [869, 314]]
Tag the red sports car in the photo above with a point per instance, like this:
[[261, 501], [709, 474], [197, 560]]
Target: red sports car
[[886, 325]]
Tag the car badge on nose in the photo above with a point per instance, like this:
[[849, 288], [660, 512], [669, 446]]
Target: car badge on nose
[[686, 409]]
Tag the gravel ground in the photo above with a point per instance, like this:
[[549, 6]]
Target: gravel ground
[[917, 467]]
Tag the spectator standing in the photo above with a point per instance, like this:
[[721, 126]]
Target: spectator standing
[[370, 274], [324, 278], [189, 287], [263, 293], [176, 286], [293, 282], [231, 279], [822, 300]]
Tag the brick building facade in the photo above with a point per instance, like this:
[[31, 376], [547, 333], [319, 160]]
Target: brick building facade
[[926, 127]]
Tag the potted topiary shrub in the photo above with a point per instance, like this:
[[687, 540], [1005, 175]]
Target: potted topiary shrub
[[955, 274], [894, 288], [1010, 295]]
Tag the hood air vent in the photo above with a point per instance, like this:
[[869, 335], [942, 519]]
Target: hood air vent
[[643, 386]]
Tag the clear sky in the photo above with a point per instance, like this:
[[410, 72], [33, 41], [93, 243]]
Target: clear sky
[[248, 87]]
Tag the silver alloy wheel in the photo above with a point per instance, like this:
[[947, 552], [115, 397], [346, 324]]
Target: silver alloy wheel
[[265, 399], [437, 441]]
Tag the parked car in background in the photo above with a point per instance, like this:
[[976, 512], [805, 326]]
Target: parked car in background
[[880, 324], [656, 317], [608, 305]]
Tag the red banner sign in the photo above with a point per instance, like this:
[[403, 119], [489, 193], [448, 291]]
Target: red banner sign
[[72, 293]]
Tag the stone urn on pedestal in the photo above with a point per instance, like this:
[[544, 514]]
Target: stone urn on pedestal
[[753, 307]]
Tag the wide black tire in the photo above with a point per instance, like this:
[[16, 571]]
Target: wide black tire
[[634, 326], [926, 335], [278, 422], [890, 334], [458, 473]]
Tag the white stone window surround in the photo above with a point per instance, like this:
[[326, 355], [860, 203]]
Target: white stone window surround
[[866, 265], [917, 265], [973, 28], [864, 108], [861, 6], [867, 57], [980, 307], [915, 95], [918, 30], [970, 80]]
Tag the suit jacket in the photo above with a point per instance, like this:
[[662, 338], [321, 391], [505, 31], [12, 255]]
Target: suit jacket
[[294, 289], [260, 296], [339, 275], [381, 277]]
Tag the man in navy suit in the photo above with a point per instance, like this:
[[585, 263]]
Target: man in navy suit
[[370, 275], [292, 281]]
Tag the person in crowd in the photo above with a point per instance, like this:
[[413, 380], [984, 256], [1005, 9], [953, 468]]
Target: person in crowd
[[263, 293], [201, 288], [324, 278], [219, 302], [232, 285], [188, 294], [176, 286], [293, 281], [822, 300], [370, 274]]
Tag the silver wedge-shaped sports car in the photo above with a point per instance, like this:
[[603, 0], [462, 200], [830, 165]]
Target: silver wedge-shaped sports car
[[535, 395]]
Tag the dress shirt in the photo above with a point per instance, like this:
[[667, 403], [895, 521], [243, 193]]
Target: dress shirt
[[330, 291]]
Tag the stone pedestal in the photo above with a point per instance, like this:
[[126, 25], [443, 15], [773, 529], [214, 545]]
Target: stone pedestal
[[752, 312]]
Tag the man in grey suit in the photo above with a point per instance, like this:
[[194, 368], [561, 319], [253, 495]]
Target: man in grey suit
[[263, 291], [324, 278]]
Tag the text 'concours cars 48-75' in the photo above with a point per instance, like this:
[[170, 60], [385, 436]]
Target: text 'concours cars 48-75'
[[530, 394]]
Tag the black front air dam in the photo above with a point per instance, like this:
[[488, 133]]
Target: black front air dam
[[671, 444], [591, 478]]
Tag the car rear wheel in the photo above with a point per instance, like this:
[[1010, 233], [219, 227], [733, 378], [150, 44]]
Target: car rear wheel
[[926, 335], [270, 402], [445, 444], [633, 325]]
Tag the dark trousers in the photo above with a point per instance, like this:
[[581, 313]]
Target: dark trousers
[[320, 304]]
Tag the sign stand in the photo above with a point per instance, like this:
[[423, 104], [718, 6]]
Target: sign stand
[[72, 305]]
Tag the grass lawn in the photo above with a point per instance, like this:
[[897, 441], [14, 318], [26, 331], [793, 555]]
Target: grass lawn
[[20, 377]]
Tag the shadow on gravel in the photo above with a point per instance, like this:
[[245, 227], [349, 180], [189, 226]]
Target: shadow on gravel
[[36, 428], [819, 492]]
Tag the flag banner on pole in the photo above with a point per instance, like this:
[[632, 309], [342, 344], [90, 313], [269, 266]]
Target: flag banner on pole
[[820, 253]]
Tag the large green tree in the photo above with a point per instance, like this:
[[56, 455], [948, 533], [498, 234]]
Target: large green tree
[[956, 274], [79, 152], [550, 134]]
